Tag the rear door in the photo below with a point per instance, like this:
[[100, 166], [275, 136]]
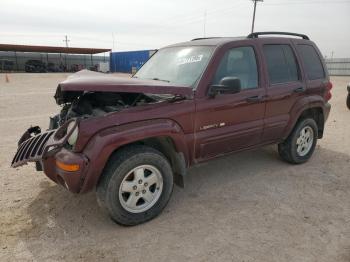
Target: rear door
[[231, 122], [285, 85]]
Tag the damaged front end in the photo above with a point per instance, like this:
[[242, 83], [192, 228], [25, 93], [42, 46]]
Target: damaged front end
[[31, 148], [35, 146], [51, 152], [59, 151], [95, 104]]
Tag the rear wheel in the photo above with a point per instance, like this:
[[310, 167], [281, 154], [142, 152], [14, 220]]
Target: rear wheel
[[136, 185], [348, 101], [301, 143]]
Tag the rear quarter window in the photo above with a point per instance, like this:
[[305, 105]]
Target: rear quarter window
[[312, 62]]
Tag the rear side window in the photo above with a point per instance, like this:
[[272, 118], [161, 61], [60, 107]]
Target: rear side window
[[281, 64], [312, 62]]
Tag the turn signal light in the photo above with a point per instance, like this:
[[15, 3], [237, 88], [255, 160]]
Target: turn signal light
[[67, 167]]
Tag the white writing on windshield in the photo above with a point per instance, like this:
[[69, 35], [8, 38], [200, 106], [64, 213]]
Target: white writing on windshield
[[190, 60]]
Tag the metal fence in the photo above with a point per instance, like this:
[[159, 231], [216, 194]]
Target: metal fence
[[338, 66], [9, 62], [120, 61]]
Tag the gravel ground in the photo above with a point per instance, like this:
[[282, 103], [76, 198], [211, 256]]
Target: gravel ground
[[245, 207]]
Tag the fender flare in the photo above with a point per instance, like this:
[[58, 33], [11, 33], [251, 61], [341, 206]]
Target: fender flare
[[107, 141], [299, 107]]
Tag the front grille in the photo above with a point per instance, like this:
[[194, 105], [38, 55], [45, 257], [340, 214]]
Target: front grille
[[32, 149]]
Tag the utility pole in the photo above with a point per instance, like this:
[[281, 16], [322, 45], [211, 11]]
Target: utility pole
[[113, 38], [65, 57], [66, 40], [255, 1], [205, 23]]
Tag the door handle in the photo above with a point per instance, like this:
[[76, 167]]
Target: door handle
[[253, 99], [299, 90]]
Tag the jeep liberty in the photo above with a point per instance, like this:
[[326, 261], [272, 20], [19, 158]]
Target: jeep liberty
[[131, 139]]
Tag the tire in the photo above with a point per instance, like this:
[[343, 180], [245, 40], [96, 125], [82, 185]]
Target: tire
[[124, 170], [348, 101], [289, 149]]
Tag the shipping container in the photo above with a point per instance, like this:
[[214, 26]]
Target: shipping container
[[130, 61]]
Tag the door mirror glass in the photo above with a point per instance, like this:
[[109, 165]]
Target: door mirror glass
[[227, 85]]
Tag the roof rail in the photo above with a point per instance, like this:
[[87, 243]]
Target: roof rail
[[256, 34], [203, 38]]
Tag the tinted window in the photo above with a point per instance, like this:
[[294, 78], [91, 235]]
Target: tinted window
[[281, 64], [312, 62], [239, 62]]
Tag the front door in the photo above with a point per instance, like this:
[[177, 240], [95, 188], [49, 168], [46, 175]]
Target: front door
[[230, 122]]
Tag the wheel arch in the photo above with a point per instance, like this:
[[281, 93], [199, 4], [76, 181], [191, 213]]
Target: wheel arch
[[163, 135], [311, 106], [166, 146], [316, 113]]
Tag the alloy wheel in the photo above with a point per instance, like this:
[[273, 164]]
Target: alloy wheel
[[141, 188], [305, 141]]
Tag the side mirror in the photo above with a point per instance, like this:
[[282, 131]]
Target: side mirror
[[227, 85]]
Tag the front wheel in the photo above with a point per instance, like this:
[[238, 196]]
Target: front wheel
[[348, 101], [135, 185], [301, 143]]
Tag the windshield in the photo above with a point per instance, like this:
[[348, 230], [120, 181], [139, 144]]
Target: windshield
[[178, 65]]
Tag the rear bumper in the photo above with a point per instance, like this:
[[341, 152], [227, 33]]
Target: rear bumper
[[327, 109]]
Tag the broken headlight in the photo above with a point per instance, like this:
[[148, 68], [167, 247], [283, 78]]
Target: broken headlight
[[73, 130]]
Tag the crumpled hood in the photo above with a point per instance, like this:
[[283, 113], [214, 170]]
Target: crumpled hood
[[90, 81]]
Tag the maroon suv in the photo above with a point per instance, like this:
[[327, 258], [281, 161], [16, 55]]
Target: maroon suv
[[132, 138]]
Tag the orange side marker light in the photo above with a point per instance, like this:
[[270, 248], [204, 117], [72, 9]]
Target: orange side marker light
[[67, 167]]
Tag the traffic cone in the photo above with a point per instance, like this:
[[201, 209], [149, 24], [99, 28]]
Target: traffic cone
[[7, 79]]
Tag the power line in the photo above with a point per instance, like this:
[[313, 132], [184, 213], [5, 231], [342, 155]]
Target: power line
[[295, 2], [196, 17]]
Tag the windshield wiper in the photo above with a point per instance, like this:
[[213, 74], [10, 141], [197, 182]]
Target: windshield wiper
[[157, 79]]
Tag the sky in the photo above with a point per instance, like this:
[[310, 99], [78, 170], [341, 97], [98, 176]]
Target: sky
[[140, 25]]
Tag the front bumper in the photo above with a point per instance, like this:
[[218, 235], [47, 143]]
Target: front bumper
[[45, 151], [71, 180], [31, 148]]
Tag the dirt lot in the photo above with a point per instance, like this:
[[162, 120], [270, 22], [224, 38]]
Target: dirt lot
[[245, 207]]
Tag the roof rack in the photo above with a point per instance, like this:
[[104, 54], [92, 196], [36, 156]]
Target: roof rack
[[256, 34], [203, 38]]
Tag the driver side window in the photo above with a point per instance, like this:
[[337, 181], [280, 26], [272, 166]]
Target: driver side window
[[239, 62]]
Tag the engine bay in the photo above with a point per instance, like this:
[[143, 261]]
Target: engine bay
[[94, 104]]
